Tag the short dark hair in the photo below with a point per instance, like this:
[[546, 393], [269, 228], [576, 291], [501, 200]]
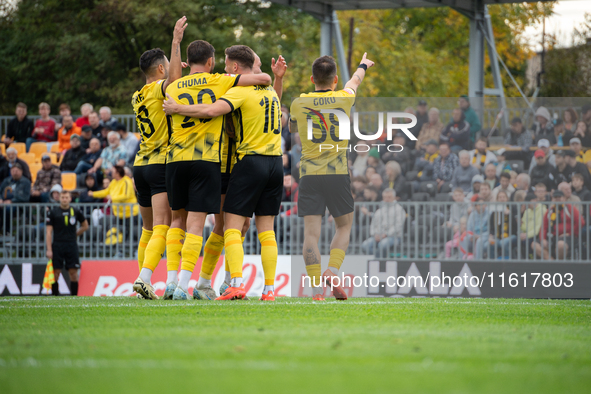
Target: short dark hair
[[483, 139], [242, 55], [324, 70], [150, 59], [516, 120], [579, 177], [541, 184], [505, 174], [21, 105], [444, 143], [199, 51], [120, 170]]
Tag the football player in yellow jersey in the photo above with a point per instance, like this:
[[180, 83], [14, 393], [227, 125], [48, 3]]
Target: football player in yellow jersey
[[256, 182], [193, 175], [149, 167], [324, 175]]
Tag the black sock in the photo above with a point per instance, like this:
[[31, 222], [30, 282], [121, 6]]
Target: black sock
[[55, 289], [74, 288]]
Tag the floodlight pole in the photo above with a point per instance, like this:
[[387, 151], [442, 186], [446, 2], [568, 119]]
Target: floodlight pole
[[330, 31]]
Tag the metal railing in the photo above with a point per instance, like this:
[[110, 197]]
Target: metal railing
[[421, 231]]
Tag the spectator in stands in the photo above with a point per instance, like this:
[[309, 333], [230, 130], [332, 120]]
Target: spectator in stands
[[13, 190], [560, 224], [480, 157], [518, 138], [522, 182], [12, 159], [369, 171], [583, 134], [374, 161], [44, 130], [531, 224], [458, 209], [371, 194], [114, 155], [48, 175], [544, 145], [464, 173], [457, 235], [478, 227], [290, 189], [360, 163], [575, 145], [358, 184], [586, 114], [570, 118], [422, 117], [490, 175], [565, 188], [563, 170], [73, 155], [543, 171], [91, 185], [562, 137], [424, 163], [64, 109], [541, 192], [106, 118], [387, 226], [20, 127], [85, 111], [285, 134], [579, 188], [445, 165], [470, 116], [577, 167], [543, 127], [85, 137], [415, 130], [504, 185], [405, 157], [485, 192], [94, 123], [66, 131], [104, 137], [90, 159], [286, 162], [130, 142], [431, 130], [395, 180], [457, 132], [54, 193], [377, 181], [477, 181], [502, 229]]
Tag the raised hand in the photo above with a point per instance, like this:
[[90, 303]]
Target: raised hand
[[366, 61], [179, 29], [279, 67]]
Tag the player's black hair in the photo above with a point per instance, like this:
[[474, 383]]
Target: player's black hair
[[324, 70], [151, 58], [199, 51], [242, 55]]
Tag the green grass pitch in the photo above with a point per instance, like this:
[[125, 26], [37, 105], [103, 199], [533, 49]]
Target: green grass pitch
[[125, 345]]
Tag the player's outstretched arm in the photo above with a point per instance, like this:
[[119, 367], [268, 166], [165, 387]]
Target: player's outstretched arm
[[278, 67], [358, 76], [254, 79], [220, 107], [175, 69]]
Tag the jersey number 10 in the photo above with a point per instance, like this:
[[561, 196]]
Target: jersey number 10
[[270, 112]]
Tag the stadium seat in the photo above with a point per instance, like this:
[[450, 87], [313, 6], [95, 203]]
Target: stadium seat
[[411, 176], [34, 168], [443, 197], [54, 158], [516, 165], [429, 187], [3, 149], [55, 148], [20, 147], [496, 141], [445, 188], [28, 158], [69, 181], [38, 149]]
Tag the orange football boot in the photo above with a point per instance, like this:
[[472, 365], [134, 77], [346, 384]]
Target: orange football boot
[[337, 291], [270, 296], [233, 293], [318, 297]]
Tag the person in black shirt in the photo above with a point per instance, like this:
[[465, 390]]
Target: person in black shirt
[[563, 170], [20, 127], [61, 223], [577, 167]]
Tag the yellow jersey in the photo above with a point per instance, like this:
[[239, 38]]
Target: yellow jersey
[[152, 122], [193, 138], [257, 120], [121, 192], [325, 153]]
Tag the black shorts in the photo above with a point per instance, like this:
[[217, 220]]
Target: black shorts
[[256, 186], [225, 181], [65, 253], [149, 180], [317, 192], [194, 186]]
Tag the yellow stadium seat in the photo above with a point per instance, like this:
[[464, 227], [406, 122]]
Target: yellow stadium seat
[[54, 158], [3, 149], [35, 167], [55, 148], [20, 147], [38, 149], [28, 158], [69, 181]]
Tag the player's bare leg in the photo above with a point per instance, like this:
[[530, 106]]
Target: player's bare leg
[[312, 228], [338, 247], [265, 227], [233, 225], [190, 253]]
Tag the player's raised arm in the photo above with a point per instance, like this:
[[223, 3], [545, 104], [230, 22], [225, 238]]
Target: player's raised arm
[[175, 70], [254, 79], [278, 67], [358, 76], [220, 107]]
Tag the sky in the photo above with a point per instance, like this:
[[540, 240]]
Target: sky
[[568, 14]]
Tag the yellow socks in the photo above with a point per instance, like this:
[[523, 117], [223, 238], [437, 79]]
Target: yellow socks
[[336, 260], [190, 252], [313, 271], [141, 249], [211, 255], [174, 245], [234, 252], [268, 256], [155, 247]]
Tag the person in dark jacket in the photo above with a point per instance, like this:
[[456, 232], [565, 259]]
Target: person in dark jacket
[[502, 228], [73, 155], [12, 159], [394, 179], [13, 190], [47, 176], [579, 188], [543, 172], [577, 167], [471, 116], [20, 127], [457, 132]]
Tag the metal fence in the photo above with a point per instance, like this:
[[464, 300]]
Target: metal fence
[[420, 230]]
